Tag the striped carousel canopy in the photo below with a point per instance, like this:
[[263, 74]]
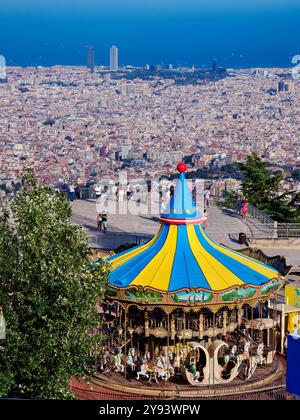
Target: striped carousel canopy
[[182, 256]]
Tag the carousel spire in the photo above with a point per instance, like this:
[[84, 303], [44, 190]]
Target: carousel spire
[[181, 209]]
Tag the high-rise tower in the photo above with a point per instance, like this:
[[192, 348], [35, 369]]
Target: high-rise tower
[[91, 58], [214, 66], [3, 78], [113, 62]]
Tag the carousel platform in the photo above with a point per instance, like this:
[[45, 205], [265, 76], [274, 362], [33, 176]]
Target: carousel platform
[[266, 383]]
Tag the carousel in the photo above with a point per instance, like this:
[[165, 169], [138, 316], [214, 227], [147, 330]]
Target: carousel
[[183, 308]]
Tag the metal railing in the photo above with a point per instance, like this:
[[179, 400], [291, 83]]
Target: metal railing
[[86, 193], [268, 228], [259, 215], [278, 231], [287, 230], [100, 391]]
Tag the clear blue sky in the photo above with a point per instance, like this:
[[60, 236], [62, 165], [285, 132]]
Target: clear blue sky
[[238, 32]]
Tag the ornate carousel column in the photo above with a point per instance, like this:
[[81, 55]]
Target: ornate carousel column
[[239, 316], [268, 317], [173, 328], [201, 325], [225, 318], [147, 329]]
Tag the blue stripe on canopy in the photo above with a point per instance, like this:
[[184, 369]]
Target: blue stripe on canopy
[[186, 271], [126, 273]]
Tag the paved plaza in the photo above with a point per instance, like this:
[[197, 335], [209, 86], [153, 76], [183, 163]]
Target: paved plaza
[[223, 226]]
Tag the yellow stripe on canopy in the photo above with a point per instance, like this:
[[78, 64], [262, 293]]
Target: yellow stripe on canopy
[[247, 261], [217, 275], [122, 259], [158, 272]]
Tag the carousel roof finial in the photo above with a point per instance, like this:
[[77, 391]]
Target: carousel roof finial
[[181, 167]]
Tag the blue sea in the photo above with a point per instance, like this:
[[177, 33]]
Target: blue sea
[[236, 38]]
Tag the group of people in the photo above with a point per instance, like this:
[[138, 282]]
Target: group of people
[[119, 193], [102, 222]]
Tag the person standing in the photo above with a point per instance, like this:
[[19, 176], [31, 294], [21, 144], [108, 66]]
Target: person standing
[[104, 221], [72, 192], [129, 191], [238, 205], [97, 191], [77, 192], [99, 222], [244, 208], [204, 219]]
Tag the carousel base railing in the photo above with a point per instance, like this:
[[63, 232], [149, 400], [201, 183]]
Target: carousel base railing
[[270, 386]]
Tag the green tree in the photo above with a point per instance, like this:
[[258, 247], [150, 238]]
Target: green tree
[[261, 187], [49, 293]]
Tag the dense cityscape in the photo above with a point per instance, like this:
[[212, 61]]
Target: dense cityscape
[[88, 123]]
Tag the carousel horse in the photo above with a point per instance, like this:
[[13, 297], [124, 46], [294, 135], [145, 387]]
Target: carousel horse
[[143, 371], [260, 354], [245, 355], [233, 351], [152, 371], [117, 362], [164, 369], [147, 355], [105, 361], [247, 346], [251, 361], [177, 362], [130, 359], [163, 360], [226, 361], [170, 356], [252, 365]]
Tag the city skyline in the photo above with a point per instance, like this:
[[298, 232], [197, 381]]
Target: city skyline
[[192, 33]]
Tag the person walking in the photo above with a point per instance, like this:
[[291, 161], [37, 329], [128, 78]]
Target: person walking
[[207, 198], [99, 222], [238, 205], [244, 208]]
